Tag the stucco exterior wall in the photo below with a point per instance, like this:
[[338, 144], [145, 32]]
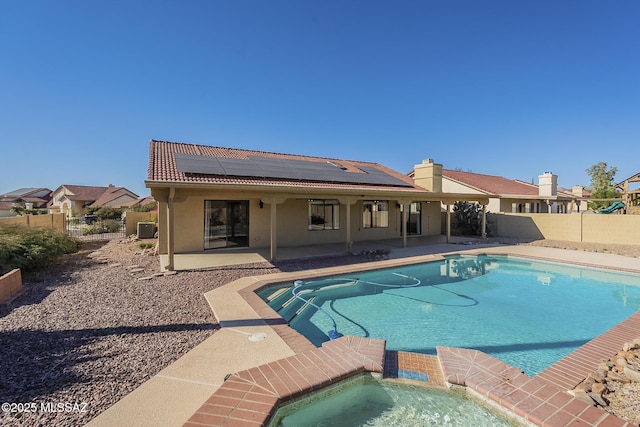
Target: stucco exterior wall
[[292, 221], [449, 186], [593, 228]]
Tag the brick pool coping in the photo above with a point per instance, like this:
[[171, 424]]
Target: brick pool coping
[[250, 398]]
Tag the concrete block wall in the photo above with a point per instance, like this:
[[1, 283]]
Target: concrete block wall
[[591, 228], [55, 221], [617, 229], [10, 285], [133, 218]]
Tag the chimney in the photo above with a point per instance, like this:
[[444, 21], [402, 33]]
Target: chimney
[[548, 184], [577, 190], [428, 175]]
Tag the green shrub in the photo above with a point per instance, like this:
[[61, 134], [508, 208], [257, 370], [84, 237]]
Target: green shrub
[[144, 208], [32, 248], [467, 218], [104, 212], [106, 226], [145, 245]]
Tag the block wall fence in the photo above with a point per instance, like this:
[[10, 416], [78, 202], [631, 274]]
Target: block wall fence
[[10, 285], [55, 221], [589, 228]]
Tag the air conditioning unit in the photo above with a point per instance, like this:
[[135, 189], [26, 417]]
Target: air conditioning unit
[[146, 230]]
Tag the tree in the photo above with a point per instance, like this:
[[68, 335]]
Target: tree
[[18, 210], [602, 185], [467, 218]]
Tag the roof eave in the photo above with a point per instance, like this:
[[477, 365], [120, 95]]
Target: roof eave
[[282, 188]]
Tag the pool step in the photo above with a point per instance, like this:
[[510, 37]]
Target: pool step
[[277, 293], [294, 307]]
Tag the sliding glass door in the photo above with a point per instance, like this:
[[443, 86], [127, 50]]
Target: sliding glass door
[[226, 223], [414, 219]]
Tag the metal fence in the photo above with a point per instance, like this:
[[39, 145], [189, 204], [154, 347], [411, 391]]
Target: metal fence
[[96, 228]]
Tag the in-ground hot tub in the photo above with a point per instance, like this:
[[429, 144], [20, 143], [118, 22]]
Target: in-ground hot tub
[[368, 401]]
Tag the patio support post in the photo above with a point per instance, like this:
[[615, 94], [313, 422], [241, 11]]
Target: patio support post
[[170, 229], [483, 231], [405, 209], [273, 228], [448, 223], [348, 202], [348, 228]]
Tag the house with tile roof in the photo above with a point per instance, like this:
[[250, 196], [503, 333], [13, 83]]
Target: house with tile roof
[[29, 198], [141, 201], [216, 197], [72, 199], [511, 195], [581, 197]]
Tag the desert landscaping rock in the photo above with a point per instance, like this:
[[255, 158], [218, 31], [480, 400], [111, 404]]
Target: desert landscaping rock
[[615, 384], [85, 332]]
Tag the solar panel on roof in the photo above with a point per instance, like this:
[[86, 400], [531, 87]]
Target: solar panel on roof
[[277, 168], [198, 164]]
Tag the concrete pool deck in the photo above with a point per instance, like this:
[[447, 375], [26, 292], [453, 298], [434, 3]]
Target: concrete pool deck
[[252, 336]]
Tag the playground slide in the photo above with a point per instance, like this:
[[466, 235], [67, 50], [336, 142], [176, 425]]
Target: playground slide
[[611, 208]]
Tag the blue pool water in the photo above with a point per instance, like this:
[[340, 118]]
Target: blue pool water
[[527, 313]]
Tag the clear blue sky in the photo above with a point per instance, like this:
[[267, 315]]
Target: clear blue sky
[[510, 88]]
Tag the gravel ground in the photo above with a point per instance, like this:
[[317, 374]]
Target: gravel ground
[[87, 332]]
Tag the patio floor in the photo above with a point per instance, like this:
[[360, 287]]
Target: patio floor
[[236, 256]]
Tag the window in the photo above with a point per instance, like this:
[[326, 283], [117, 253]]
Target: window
[[375, 214], [324, 215]]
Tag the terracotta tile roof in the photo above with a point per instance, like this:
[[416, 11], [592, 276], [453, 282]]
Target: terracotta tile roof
[[492, 184], [112, 193], [162, 168], [84, 193], [141, 201]]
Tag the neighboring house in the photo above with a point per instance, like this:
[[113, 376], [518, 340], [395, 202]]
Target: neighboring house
[[216, 197], [142, 201], [28, 198], [510, 195], [72, 199], [115, 197], [581, 197]]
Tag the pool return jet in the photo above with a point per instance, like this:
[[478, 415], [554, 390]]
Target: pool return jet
[[333, 333]]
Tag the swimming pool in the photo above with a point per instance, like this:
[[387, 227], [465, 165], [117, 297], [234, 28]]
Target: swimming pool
[[527, 313], [365, 401]]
